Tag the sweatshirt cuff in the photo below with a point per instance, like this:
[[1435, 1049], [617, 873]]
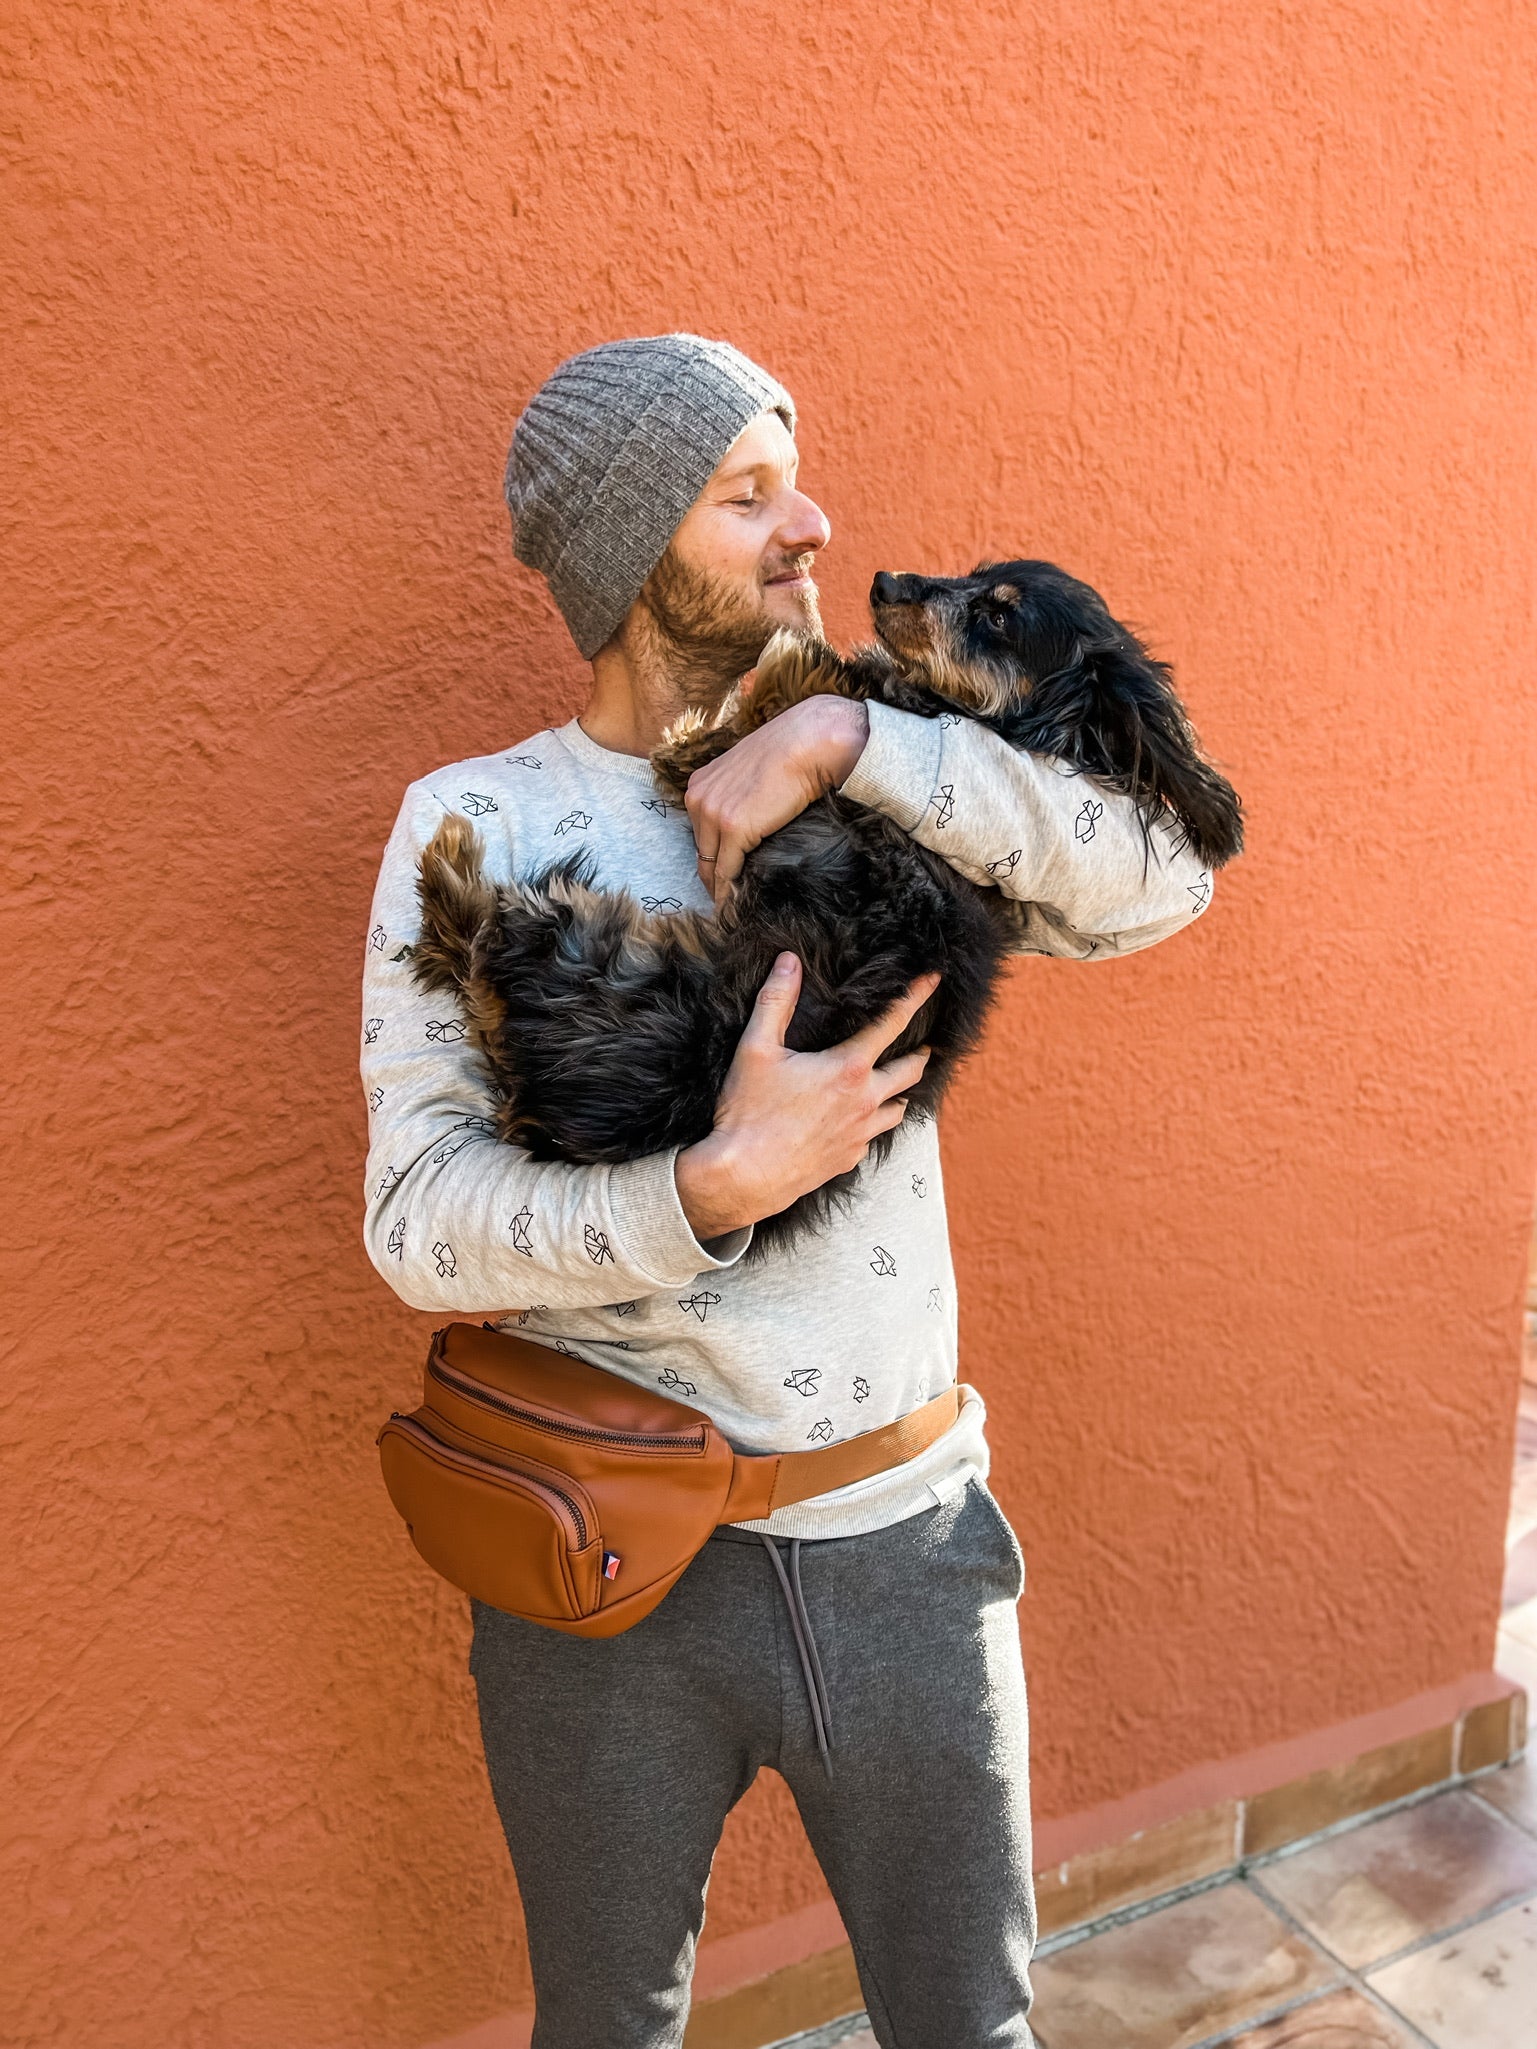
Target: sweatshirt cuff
[[650, 1225], [898, 771]]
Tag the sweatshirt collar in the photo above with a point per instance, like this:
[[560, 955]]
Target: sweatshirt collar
[[629, 768]]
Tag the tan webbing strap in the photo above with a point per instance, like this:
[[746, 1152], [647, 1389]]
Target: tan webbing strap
[[762, 1483]]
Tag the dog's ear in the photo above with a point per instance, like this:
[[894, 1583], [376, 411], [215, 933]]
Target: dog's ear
[[1112, 711]]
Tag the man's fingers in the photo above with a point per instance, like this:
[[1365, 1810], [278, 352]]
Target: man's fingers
[[729, 856], [706, 848], [904, 1074], [890, 1114], [775, 1005], [874, 1038]]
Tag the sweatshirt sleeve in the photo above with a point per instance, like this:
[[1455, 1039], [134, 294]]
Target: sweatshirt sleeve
[[1089, 882], [455, 1219]]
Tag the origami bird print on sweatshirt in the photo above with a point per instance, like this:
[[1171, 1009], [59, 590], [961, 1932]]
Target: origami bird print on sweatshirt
[[519, 1227], [574, 821], [942, 803], [476, 805], [674, 1384], [805, 1379], [1004, 866], [599, 1250], [883, 1263], [699, 1305], [819, 1433], [445, 1031], [1083, 825], [861, 1388], [450, 1146]]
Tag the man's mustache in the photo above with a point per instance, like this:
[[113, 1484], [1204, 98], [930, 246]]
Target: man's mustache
[[791, 565]]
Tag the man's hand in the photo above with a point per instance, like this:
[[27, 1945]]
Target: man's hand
[[786, 1122], [769, 778]]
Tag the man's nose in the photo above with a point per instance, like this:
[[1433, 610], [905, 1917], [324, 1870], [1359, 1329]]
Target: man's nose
[[804, 529]]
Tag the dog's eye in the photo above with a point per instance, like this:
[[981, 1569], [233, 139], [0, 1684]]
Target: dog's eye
[[998, 619]]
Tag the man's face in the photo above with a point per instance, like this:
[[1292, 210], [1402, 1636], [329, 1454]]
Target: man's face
[[740, 565]]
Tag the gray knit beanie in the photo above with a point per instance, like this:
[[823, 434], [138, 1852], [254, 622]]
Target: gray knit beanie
[[610, 453]]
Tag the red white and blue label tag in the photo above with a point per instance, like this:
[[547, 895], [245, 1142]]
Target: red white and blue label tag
[[611, 1564]]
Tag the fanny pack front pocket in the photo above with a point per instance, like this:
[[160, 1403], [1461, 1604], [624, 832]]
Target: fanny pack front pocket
[[517, 1534]]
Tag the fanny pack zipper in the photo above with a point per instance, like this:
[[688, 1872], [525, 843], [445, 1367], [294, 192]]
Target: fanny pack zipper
[[537, 1483], [588, 1433]]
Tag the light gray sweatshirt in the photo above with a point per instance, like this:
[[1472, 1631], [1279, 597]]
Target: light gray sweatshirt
[[854, 1327]]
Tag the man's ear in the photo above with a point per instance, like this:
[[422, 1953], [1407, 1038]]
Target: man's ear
[[1112, 712]]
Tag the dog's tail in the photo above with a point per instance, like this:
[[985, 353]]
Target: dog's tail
[[458, 909]]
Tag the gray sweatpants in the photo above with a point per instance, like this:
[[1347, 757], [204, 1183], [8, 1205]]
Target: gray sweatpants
[[614, 1764]]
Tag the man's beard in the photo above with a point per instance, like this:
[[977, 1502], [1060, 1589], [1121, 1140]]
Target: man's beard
[[707, 631]]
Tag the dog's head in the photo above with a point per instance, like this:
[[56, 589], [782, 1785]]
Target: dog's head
[[1037, 654], [987, 639]]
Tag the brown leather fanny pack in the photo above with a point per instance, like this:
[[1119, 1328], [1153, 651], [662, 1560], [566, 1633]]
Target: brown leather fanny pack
[[571, 1497]]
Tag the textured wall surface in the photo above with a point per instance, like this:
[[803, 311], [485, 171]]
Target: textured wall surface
[[1230, 310]]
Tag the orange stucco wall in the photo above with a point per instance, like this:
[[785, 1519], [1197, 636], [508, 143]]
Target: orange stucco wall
[[1229, 309]]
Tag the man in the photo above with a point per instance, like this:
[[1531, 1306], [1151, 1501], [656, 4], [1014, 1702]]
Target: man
[[876, 1662]]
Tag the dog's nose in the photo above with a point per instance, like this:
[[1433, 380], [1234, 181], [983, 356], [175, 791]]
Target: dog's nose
[[887, 589]]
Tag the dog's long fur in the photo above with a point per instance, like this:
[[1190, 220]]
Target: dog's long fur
[[607, 1031]]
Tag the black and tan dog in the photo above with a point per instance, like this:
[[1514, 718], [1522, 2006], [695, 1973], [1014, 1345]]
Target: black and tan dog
[[607, 1031]]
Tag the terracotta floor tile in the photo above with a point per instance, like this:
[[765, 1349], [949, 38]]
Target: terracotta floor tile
[[1520, 1572], [1340, 2020], [1523, 1504], [1174, 1977], [1478, 1990], [1515, 1658], [1379, 1887], [1520, 1621], [1513, 1791], [850, 2033]]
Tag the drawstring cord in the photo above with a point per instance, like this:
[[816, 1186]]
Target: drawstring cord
[[805, 1645]]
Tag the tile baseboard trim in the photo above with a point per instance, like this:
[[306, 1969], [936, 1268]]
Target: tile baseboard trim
[[1281, 1794], [1252, 1774]]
